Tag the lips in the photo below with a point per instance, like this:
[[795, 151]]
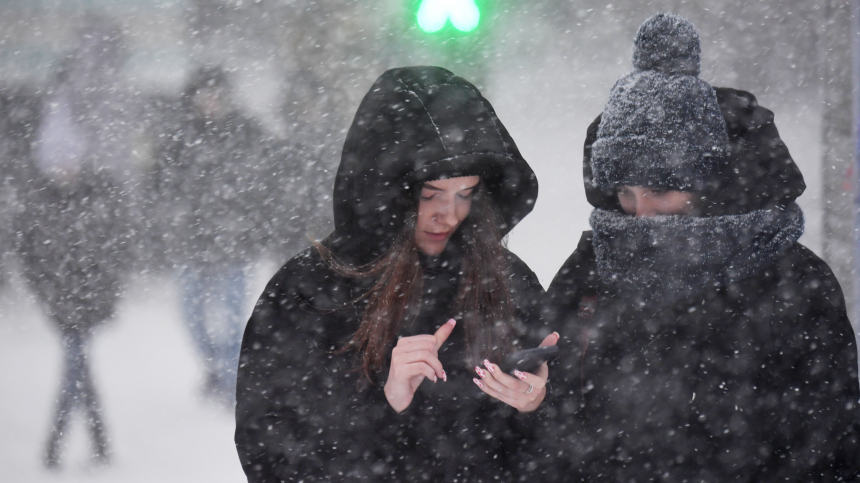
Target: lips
[[442, 236]]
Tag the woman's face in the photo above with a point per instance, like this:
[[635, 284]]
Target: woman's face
[[443, 205], [641, 201]]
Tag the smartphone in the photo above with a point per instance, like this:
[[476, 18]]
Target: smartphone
[[529, 360]]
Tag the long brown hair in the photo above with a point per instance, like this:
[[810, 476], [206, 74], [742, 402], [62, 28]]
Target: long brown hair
[[483, 296]]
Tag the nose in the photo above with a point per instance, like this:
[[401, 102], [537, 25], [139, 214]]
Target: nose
[[644, 205], [445, 214]]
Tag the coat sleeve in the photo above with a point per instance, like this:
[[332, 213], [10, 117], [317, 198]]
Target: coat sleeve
[[530, 304], [302, 411], [575, 279], [554, 456], [533, 326], [812, 376], [572, 294], [776, 397]]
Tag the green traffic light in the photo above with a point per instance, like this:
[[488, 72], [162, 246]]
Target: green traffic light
[[463, 14]]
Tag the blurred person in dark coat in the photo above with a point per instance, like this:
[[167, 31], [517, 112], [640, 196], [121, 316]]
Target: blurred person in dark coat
[[712, 345], [210, 183], [18, 113], [75, 230]]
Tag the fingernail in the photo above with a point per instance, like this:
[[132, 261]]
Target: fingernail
[[452, 322], [435, 379], [478, 382], [520, 375], [444, 376], [489, 365], [480, 372], [556, 335]]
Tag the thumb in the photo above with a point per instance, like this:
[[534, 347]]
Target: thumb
[[551, 339], [443, 332]]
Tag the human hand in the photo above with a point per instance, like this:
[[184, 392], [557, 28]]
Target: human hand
[[414, 359], [525, 392]]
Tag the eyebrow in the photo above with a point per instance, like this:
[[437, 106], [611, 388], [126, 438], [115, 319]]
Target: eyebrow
[[433, 188]]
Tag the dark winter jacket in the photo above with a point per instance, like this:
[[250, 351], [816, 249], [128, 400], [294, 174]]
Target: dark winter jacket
[[74, 236], [304, 411], [210, 182], [751, 380], [18, 107]]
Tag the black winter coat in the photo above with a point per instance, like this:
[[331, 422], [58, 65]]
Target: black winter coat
[[19, 109], [305, 411], [210, 181], [74, 238], [753, 381]]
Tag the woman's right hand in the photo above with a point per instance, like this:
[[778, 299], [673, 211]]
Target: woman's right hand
[[412, 360]]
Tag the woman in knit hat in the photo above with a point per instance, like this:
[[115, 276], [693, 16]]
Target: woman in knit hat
[[713, 346]]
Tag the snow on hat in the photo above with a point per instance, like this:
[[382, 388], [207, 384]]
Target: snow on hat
[[662, 126]]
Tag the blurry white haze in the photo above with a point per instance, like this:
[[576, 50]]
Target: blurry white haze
[[300, 68]]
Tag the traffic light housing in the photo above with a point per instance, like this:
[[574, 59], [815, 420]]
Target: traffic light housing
[[455, 34], [433, 15]]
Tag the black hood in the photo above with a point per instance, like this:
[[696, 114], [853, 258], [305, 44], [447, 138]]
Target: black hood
[[418, 124], [758, 172]]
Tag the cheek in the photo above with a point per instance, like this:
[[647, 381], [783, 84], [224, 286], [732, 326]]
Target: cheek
[[628, 204], [678, 204], [424, 216], [463, 209]]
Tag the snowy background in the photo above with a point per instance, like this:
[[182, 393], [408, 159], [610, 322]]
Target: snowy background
[[547, 68]]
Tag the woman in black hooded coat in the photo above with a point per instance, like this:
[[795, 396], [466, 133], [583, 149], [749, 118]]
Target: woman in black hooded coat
[[309, 405], [712, 346]]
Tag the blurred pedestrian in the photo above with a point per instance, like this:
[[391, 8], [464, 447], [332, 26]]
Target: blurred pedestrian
[[210, 195], [714, 347], [18, 107], [335, 356], [75, 231]]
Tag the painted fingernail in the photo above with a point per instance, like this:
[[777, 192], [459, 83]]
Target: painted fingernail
[[452, 322], [444, 376], [480, 372], [478, 382], [520, 375], [435, 379], [489, 365]]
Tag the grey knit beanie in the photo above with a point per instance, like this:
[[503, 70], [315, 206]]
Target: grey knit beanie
[[662, 126]]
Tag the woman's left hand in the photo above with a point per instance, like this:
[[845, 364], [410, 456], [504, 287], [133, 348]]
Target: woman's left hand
[[525, 392]]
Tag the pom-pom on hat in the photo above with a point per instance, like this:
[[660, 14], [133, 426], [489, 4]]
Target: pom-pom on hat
[[662, 126]]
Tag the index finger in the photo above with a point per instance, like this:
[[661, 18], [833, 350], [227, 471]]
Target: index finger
[[443, 332]]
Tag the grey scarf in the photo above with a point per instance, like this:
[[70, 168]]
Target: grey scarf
[[660, 260]]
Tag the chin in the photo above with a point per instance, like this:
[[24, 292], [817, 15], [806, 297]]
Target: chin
[[433, 249]]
